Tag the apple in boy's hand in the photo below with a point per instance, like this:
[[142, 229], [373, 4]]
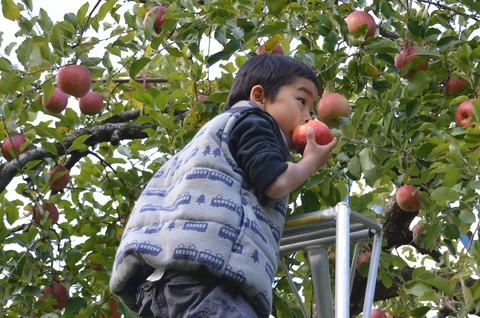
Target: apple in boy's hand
[[323, 135]]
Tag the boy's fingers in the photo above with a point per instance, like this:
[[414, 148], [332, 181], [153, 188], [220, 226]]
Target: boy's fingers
[[332, 144], [310, 135]]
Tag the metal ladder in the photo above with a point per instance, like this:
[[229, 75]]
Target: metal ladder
[[314, 232]]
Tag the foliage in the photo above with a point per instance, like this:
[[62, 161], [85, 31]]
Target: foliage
[[400, 132]]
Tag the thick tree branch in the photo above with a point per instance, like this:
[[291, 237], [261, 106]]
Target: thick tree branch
[[108, 132]]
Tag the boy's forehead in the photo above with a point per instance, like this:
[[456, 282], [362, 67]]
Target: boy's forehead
[[306, 85]]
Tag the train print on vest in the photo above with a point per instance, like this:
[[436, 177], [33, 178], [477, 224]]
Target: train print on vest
[[180, 200], [210, 175], [145, 248], [206, 257]]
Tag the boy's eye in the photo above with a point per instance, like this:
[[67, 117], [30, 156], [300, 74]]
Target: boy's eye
[[301, 100]]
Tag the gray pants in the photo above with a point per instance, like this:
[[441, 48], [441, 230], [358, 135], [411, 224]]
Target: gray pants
[[196, 294]]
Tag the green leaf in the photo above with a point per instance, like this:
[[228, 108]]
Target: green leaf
[[137, 66], [354, 167], [10, 10], [420, 311], [24, 51], [366, 159], [12, 215], [447, 41], [417, 288], [79, 142], [105, 8], [45, 21], [476, 110], [467, 296], [5, 65], [444, 195], [48, 146], [74, 304], [348, 131]]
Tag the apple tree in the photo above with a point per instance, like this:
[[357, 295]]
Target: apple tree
[[69, 177]]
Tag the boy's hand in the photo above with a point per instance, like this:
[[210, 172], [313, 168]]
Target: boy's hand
[[316, 154], [314, 157]]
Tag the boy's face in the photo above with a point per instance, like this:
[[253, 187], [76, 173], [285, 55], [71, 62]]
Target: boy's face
[[293, 105]]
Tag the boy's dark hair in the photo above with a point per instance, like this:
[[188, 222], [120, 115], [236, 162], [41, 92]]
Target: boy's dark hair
[[271, 71]]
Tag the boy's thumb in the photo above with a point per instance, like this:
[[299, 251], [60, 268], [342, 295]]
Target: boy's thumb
[[310, 135]]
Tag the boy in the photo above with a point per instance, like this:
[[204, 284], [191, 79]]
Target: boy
[[203, 238]]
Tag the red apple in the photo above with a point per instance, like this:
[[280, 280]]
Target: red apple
[[405, 56], [464, 113], [417, 230], [358, 18], [59, 178], [201, 98], [59, 292], [113, 311], [378, 313], [13, 143], [454, 85], [159, 21], [91, 103], [57, 102], [74, 80], [323, 135], [331, 107], [146, 85], [408, 198], [362, 258], [277, 49], [52, 211]]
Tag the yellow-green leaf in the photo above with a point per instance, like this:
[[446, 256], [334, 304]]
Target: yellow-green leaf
[[10, 10]]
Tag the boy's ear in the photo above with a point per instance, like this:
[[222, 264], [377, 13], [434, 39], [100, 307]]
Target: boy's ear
[[257, 95]]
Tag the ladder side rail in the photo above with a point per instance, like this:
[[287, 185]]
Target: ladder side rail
[[318, 259], [372, 274], [342, 262], [353, 266], [294, 289], [355, 216]]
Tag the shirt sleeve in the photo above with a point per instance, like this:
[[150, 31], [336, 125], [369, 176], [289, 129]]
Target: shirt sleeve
[[258, 151]]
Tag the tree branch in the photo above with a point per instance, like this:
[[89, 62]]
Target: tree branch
[[109, 132]]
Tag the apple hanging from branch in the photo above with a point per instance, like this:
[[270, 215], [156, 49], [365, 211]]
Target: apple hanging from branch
[[408, 198], [356, 19], [454, 85], [49, 208], [91, 103], [464, 113], [13, 144], [59, 292], [332, 107], [57, 102], [406, 56], [74, 80], [59, 177]]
